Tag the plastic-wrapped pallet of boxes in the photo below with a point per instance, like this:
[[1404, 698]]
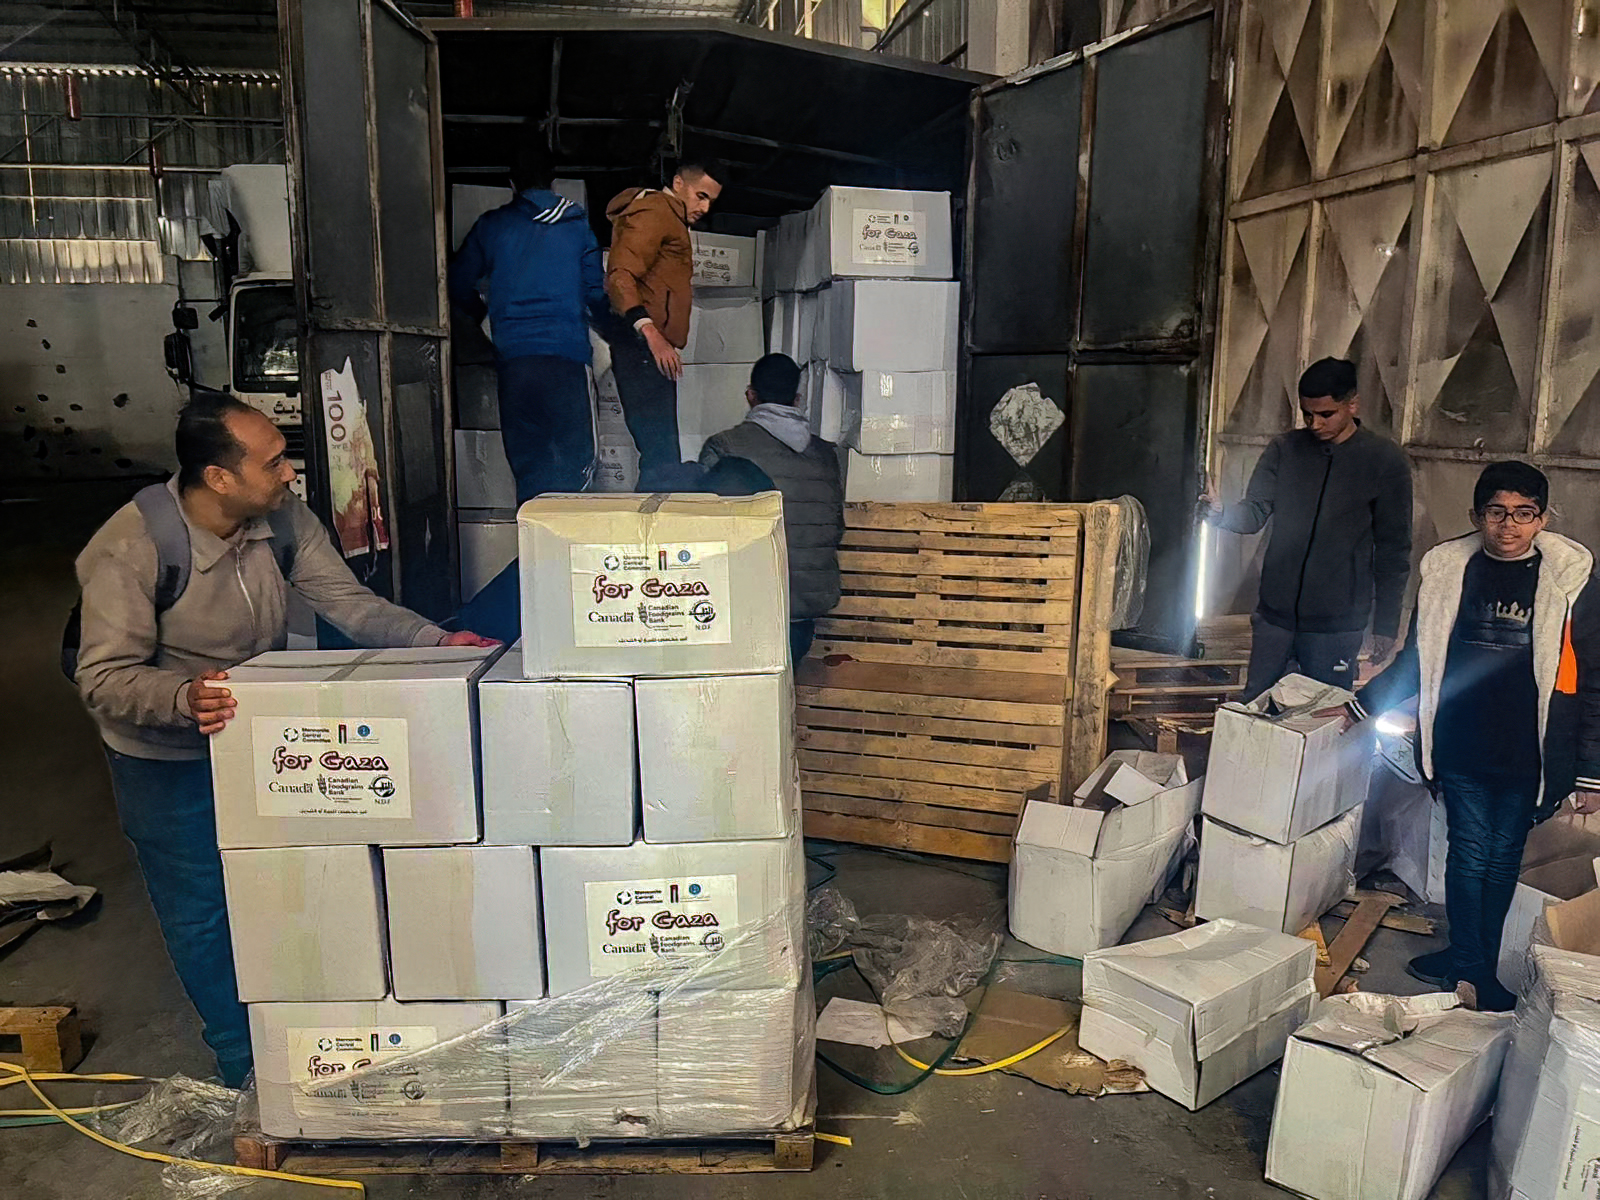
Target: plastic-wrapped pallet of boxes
[[866, 295], [608, 939], [1282, 808]]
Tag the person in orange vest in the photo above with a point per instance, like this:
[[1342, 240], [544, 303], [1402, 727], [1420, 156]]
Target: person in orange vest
[[1503, 658]]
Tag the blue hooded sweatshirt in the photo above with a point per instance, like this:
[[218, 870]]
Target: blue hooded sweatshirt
[[538, 264]]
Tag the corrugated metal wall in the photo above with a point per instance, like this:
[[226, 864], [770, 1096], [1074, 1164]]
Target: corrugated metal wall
[[1414, 187], [104, 248]]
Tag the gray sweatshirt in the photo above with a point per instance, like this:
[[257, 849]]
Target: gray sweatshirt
[[133, 669], [1340, 546]]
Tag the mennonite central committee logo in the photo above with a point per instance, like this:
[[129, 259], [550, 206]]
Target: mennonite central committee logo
[[612, 562], [291, 734]]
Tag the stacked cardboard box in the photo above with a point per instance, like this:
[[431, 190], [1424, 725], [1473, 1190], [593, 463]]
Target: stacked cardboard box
[[655, 634], [346, 807], [725, 337], [1282, 808], [864, 300]]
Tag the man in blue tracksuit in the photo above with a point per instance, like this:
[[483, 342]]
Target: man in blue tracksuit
[[537, 263]]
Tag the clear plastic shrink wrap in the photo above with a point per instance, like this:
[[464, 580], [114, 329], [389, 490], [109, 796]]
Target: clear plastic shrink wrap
[[1547, 1118], [677, 1046]]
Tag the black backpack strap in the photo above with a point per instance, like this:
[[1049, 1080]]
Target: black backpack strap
[[283, 537], [165, 524]]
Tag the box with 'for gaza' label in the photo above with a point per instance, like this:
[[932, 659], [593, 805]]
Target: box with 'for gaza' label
[[622, 585], [350, 747]]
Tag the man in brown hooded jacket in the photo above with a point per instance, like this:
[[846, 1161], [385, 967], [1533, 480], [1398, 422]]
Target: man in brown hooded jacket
[[648, 280]]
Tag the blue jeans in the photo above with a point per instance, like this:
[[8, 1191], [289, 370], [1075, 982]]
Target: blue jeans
[[1489, 819], [166, 811], [545, 424]]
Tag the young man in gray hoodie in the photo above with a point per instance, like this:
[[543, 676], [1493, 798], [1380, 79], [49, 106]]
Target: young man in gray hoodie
[[805, 469], [1339, 498]]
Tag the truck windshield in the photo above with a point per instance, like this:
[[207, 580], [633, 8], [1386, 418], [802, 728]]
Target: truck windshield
[[266, 349]]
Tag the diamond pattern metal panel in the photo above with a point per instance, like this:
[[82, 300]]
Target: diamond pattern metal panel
[[1266, 296], [1499, 65], [1573, 413], [1358, 296], [1275, 95], [1479, 298], [1371, 84]]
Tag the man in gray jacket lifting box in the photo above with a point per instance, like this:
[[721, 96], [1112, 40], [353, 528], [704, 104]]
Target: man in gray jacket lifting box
[[181, 584]]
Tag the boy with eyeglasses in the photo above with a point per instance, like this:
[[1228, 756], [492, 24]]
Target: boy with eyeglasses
[[1502, 657]]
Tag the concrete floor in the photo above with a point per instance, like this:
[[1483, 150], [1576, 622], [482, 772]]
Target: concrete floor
[[983, 1138]]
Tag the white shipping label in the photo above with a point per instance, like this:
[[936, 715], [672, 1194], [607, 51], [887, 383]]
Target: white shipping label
[[1580, 1178], [651, 595], [331, 766], [325, 1058], [886, 385], [716, 266], [885, 238], [639, 922]]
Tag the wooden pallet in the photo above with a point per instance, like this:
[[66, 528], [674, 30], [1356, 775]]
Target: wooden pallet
[[965, 666], [781, 1150], [1150, 685], [48, 1039]]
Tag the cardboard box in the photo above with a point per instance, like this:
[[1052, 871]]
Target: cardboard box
[[783, 326], [1198, 1011], [1538, 888], [558, 762], [725, 327], [459, 1092], [1369, 1111], [879, 233], [487, 548], [1260, 882], [890, 325], [816, 324], [1546, 1137], [824, 393], [1081, 872], [900, 412], [583, 1066], [788, 248], [616, 466], [1281, 776], [307, 923], [735, 1061], [616, 586], [731, 913], [899, 477], [1403, 827], [483, 476], [724, 261], [711, 398], [338, 747], [716, 758], [463, 922]]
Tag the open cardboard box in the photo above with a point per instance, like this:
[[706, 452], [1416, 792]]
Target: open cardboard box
[[1575, 924], [1081, 872]]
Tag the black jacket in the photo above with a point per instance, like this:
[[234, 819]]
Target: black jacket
[[1566, 660], [813, 506], [1340, 546]]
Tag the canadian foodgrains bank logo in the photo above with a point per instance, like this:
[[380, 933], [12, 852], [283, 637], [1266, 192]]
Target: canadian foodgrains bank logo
[[612, 562]]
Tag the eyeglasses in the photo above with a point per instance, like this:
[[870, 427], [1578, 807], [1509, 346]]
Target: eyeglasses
[[1496, 514]]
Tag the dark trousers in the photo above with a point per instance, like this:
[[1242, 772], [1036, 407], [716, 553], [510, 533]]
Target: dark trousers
[[802, 632], [1489, 819], [650, 407], [166, 811], [546, 424], [1328, 657]]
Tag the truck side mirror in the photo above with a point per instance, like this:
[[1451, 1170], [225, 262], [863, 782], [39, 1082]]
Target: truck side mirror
[[180, 356], [184, 317]]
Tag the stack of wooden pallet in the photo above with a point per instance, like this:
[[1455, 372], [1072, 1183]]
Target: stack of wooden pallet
[[966, 666]]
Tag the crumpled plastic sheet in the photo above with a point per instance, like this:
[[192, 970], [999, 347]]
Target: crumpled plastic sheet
[[186, 1118], [918, 967], [1133, 564]]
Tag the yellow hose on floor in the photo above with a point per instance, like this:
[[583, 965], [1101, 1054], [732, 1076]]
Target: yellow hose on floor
[[987, 1067], [22, 1075]]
